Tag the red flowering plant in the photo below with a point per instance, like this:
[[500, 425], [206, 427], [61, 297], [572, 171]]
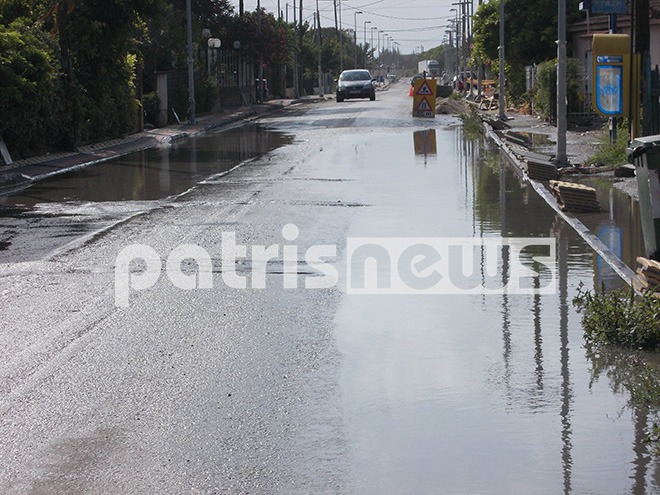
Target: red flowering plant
[[272, 44]]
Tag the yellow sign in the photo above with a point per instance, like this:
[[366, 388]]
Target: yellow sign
[[424, 92], [611, 74]]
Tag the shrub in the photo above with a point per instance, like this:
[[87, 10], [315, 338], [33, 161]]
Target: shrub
[[620, 318], [30, 96], [611, 154], [150, 107], [545, 99]]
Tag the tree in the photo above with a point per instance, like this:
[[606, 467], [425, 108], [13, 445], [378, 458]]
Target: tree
[[29, 72], [531, 32]]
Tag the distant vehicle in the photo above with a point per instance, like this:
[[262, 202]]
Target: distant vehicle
[[356, 83], [412, 82], [431, 67], [462, 80], [391, 77]]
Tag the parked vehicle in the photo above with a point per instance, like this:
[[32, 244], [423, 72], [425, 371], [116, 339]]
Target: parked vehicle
[[356, 83], [461, 80]]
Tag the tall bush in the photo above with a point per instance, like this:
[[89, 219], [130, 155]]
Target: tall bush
[[30, 92], [545, 92]]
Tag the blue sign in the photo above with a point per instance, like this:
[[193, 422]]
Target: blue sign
[[609, 7], [609, 59], [609, 89]]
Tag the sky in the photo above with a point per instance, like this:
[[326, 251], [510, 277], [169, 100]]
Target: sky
[[416, 25]]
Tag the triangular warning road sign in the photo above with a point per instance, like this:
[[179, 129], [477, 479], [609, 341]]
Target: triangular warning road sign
[[424, 105], [424, 89]]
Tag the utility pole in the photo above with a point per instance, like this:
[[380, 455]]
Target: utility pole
[[296, 90], [317, 19], [261, 47], [341, 48], [302, 69], [341, 42], [613, 123], [561, 86], [500, 100], [642, 46], [191, 68]]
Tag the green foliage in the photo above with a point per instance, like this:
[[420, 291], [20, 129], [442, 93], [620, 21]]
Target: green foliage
[[471, 123], [150, 107], [273, 44], [28, 84], [612, 154], [206, 94], [530, 35], [545, 97], [620, 318]]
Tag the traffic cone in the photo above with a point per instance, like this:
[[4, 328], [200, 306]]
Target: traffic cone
[[411, 90]]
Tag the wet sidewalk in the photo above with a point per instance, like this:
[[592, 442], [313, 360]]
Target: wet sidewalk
[[581, 144], [21, 173]]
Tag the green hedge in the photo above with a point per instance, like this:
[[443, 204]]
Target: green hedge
[[545, 92]]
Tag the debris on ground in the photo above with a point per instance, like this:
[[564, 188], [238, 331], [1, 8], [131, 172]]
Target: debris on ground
[[576, 198], [648, 276], [450, 106]]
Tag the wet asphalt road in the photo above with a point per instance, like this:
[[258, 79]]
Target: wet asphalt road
[[285, 389], [207, 391]]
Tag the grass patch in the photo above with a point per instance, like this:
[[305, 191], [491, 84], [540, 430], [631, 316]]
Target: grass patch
[[620, 317], [611, 154], [471, 123]]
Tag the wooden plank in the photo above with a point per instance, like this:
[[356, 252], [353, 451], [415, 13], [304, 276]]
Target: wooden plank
[[647, 263], [651, 279], [640, 288], [537, 157]]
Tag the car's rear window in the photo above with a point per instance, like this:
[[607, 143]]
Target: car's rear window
[[356, 76]]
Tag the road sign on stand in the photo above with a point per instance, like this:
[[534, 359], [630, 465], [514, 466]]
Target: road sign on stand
[[424, 91]]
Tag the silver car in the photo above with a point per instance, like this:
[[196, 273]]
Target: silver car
[[356, 83]]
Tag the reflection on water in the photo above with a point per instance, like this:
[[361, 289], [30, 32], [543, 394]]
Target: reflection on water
[[154, 173], [488, 393], [56, 211], [618, 226], [425, 143]]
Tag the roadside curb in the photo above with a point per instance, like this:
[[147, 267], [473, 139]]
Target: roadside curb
[[23, 173], [626, 273]]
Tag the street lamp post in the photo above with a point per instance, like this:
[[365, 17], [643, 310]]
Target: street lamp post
[[355, 38], [365, 41], [372, 37], [378, 37], [457, 37]]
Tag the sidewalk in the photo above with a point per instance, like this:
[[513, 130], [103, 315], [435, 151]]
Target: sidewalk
[[580, 145], [21, 173]]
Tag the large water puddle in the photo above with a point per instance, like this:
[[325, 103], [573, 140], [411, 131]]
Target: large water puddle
[[64, 208], [155, 173], [495, 393]]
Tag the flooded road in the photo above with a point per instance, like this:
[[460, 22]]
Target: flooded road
[[55, 212], [291, 389]]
